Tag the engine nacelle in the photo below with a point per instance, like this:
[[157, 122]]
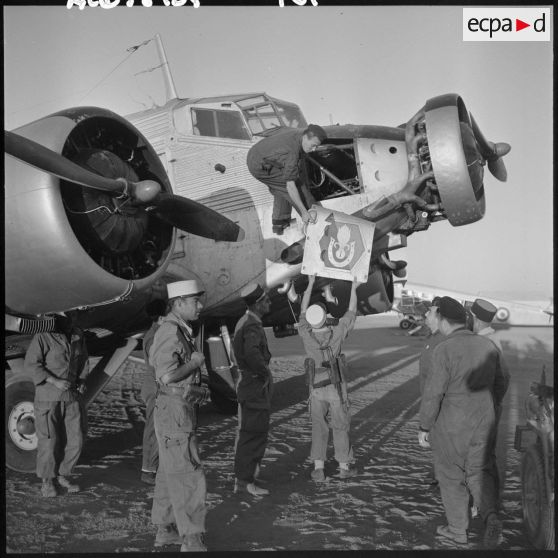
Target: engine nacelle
[[68, 246]]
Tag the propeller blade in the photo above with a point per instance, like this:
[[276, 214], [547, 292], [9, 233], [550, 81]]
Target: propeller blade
[[185, 214], [195, 218], [492, 152], [49, 161]]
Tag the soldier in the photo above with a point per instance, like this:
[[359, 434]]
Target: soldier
[[150, 454], [276, 161], [457, 418], [179, 506], [327, 382], [58, 362], [253, 390], [483, 313]]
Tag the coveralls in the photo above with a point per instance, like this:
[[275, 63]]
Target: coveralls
[[457, 408], [180, 486], [253, 394], [59, 417], [150, 454], [425, 367], [488, 332], [324, 397], [274, 160]]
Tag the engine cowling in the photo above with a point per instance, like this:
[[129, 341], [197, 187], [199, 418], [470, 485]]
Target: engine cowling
[[68, 246]]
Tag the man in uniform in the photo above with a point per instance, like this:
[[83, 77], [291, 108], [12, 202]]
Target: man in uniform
[[253, 390], [457, 417], [327, 381], [483, 313], [58, 362], [179, 506], [425, 362], [276, 161], [150, 454]]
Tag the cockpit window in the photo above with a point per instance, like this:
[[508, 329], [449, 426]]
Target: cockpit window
[[263, 114], [218, 124]]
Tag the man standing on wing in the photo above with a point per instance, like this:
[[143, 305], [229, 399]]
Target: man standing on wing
[[276, 161], [325, 369]]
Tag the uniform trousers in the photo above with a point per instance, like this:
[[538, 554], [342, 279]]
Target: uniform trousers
[[150, 453], [325, 401], [180, 486], [59, 428], [464, 467]]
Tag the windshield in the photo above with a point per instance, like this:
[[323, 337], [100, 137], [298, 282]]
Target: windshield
[[262, 114]]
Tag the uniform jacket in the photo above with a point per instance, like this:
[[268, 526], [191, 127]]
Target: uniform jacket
[[464, 385], [277, 157], [425, 362], [51, 354], [332, 337], [252, 356], [167, 351], [149, 385]]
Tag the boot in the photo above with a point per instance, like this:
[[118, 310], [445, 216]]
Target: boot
[[318, 475], [347, 473], [65, 483], [167, 534], [48, 490], [493, 532], [193, 543]]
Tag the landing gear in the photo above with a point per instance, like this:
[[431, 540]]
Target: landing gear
[[20, 435]]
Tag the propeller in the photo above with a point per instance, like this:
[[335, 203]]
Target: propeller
[[180, 212], [492, 152]]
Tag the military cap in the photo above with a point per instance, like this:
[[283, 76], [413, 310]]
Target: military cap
[[316, 315], [452, 310], [483, 310], [252, 293], [184, 288]]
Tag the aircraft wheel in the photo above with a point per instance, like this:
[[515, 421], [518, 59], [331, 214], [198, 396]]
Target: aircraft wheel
[[405, 324], [502, 314], [21, 438], [538, 511]]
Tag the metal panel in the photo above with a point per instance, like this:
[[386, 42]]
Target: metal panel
[[337, 245]]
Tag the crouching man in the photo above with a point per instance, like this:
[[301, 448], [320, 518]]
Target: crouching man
[[179, 506], [327, 383]]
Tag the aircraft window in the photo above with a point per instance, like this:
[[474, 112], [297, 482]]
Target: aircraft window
[[219, 124], [262, 118], [291, 116], [251, 101]]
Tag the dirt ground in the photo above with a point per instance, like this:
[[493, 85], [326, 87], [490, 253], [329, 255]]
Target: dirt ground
[[388, 506]]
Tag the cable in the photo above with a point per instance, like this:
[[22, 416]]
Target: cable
[[131, 51]]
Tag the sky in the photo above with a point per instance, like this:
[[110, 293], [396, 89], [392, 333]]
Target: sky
[[340, 64]]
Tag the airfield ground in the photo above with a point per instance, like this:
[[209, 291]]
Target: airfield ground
[[386, 507]]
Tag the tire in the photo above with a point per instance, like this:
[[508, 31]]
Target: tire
[[538, 510], [21, 439], [405, 324]]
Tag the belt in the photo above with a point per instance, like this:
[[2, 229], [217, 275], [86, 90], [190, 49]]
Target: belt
[[323, 383], [170, 390]]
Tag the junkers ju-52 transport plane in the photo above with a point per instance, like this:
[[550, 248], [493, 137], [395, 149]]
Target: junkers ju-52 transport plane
[[102, 211]]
